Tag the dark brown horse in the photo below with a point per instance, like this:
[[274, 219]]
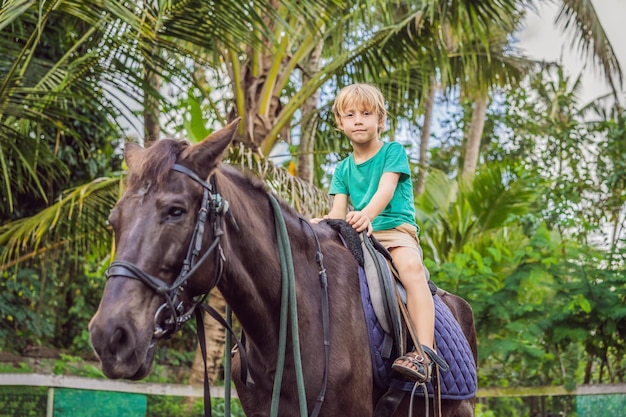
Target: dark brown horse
[[157, 278]]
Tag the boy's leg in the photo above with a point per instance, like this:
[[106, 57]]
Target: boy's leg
[[403, 245], [420, 302], [421, 308]]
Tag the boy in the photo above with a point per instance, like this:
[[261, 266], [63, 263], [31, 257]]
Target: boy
[[377, 179]]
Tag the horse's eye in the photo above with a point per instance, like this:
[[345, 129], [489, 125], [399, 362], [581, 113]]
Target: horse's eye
[[175, 212]]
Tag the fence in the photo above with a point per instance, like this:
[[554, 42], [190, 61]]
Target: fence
[[601, 400], [27, 395], [84, 397]]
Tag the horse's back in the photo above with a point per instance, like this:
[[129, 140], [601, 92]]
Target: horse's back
[[462, 312]]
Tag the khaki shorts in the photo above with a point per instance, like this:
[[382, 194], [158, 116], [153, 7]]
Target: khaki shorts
[[404, 235]]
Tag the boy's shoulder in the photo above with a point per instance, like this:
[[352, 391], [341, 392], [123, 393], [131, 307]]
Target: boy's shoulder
[[392, 145], [345, 162], [392, 149]]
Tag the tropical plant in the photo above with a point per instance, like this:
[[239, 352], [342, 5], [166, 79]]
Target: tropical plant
[[70, 65], [608, 133], [536, 286], [56, 127]]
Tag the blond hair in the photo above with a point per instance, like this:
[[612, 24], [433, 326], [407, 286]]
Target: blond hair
[[361, 97]]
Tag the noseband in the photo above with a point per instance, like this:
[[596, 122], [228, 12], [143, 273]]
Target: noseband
[[171, 315]]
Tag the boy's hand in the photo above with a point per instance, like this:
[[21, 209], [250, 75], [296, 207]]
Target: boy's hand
[[359, 221], [316, 220]]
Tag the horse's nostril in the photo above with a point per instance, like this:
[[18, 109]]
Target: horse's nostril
[[118, 341]]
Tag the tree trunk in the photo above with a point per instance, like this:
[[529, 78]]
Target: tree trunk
[[309, 119], [151, 108], [420, 184], [474, 135]]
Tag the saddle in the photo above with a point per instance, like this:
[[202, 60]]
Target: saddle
[[385, 289], [387, 328]]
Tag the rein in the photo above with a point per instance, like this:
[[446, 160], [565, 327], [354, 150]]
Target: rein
[[289, 307]]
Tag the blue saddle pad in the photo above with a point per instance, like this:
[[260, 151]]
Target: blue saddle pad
[[458, 383]]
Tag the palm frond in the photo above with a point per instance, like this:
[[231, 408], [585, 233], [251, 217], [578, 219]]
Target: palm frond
[[305, 198], [454, 214], [498, 197], [579, 18], [75, 223]]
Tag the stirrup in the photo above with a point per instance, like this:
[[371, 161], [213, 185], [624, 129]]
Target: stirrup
[[422, 371], [438, 360]]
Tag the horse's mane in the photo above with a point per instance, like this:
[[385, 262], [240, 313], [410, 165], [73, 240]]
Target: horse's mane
[[155, 162], [153, 165], [243, 179]]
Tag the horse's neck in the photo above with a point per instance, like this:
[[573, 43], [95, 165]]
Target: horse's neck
[[252, 274]]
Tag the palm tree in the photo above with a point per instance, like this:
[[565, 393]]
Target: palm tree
[[577, 17], [113, 48]]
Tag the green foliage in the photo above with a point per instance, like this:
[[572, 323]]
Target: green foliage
[[514, 244], [526, 407], [217, 405], [19, 368], [22, 321], [49, 307], [547, 301], [23, 401], [73, 365], [57, 124], [179, 407], [191, 107], [494, 407]]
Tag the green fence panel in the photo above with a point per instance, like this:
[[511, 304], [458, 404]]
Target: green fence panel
[[610, 405], [85, 403]]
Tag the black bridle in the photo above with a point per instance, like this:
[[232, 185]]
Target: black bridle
[[171, 315]]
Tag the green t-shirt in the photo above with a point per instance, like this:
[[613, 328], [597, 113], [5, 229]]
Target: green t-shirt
[[360, 183]]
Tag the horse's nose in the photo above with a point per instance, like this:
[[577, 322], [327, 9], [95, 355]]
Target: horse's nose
[[112, 340]]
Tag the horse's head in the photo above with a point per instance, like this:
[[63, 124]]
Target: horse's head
[[167, 219]]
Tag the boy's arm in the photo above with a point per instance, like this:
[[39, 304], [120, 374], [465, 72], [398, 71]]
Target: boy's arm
[[362, 220], [338, 211]]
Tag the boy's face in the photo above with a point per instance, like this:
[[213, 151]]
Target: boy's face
[[360, 125]]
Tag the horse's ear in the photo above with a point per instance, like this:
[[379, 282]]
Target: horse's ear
[[209, 151], [132, 152]]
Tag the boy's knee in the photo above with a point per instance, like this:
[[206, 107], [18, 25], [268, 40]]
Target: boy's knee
[[417, 266]]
